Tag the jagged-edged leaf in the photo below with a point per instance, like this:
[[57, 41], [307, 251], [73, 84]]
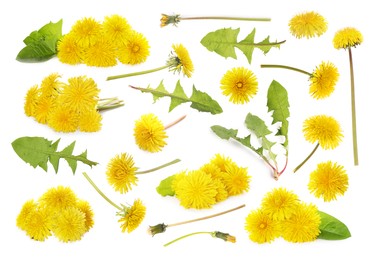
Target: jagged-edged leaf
[[223, 132], [224, 41], [37, 151], [165, 186], [41, 44], [277, 101], [160, 89], [257, 125], [199, 100], [331, 228]]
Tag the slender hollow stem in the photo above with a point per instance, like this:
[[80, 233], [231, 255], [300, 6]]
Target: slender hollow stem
[[100, 192], [285, 67], [175, 122], [188, 235], [353, 109], [109, 103], [137, 73], [308, 157], [207, 217], [225, 18], [159, 167]]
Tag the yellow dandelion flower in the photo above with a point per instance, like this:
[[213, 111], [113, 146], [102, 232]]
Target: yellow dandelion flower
[[69, 51], [222, 193], [328, 180], [323, 80], [176, 181], [69, 225], [196, 190], [308, 24], [43, 108], [121, 172], [212, 169], [323, 129], [262, 228], [347, 37], [81, 94], [86, 31], [100, 54], [85, 208], [63, 119], [132, 216], [180, 61], [116, 28], [280, 203], [303, 225], [27, 208], [50, 85], [38, 224], [30, 102], [56, 199], [90, 121], [222, 162], [135, 50], [236, 180], [150, 133], [240, 84]]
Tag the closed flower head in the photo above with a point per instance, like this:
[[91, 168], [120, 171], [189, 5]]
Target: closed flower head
[[121, 172], [347, 37], [262, 227], [308, 24], [240, 84], [132, 216], [323, 80], [328, 181]]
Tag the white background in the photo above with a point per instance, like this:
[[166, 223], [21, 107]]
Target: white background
[[191, 140]]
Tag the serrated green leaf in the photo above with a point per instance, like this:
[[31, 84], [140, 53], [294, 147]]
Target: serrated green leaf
[[331, 228], [257, 125], [247, 45], [165, 186], [222, 42], [160, 89], [199, 100], [277, 101], [37, 151], [41, 44], [223, 132]]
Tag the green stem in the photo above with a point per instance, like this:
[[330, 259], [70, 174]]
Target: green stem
[[100, 192], [285, 67], [226, 18], [353, 106], [159, 167], [137, 73], [308, 157], [188, 235], [109, 103], [175, 122]]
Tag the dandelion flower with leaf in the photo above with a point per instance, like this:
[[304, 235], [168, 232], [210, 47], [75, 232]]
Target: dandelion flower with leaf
[[178, 61], [150, 133], [303, 225], [175, 19], [323, 79], [240, 84], [308, 24], [134, 50], [262, 227], [346, 39], [328, 181], [70, 225], [323, 130], [121, 172], [130, 216]]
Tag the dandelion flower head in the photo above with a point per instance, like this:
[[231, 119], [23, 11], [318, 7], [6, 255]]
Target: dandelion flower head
[[280, 203], [240, 84], [86, 31], [43, 108], [308, 24], [236, 180], [222, 162], [323, 129], [70, 225], [38, 224], [100, 54], [86, 209], [121, 172], [116, 28], [69, 51], [63, 119], [328, 181], [27, 208], [132, 216], [30, 102], [180, 60], [58, 198], [134, 50], [149, 133], [50, 85], [90, 121], [347, 37], [303, 225], [262, 228], [323, 80]]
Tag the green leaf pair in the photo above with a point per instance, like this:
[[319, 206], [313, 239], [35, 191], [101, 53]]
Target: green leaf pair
[[199, 100], [224, 41], [37, 151], [41, 45]]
